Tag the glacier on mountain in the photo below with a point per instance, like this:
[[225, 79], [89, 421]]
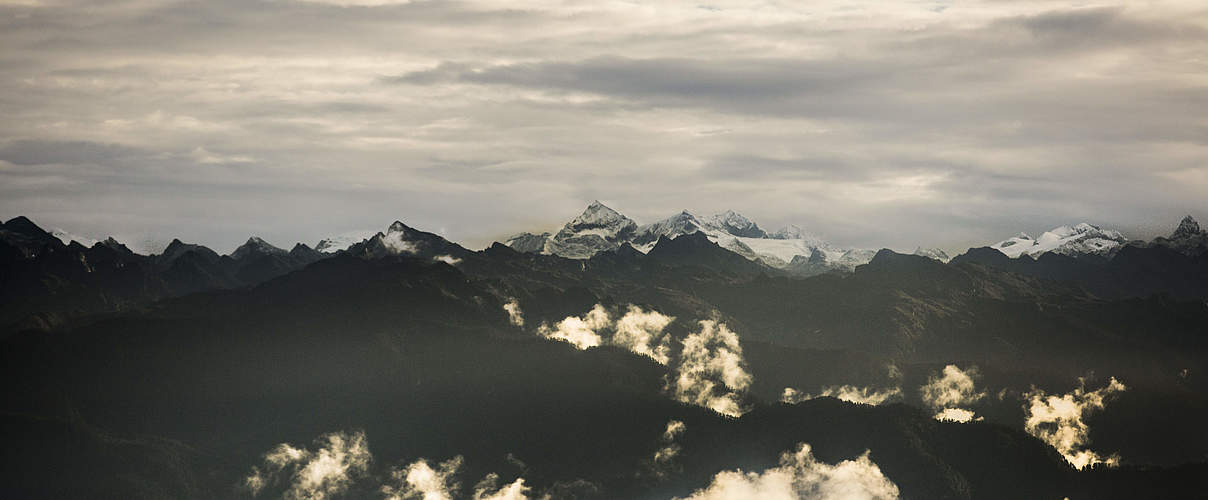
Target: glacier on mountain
[[1077, 240], [601, 229]]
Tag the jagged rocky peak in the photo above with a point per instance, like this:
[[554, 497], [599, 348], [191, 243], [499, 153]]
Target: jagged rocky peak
[[681, 223], [1188, 227], [599, 220], [113, 244], [730, 222], [397, 227], [1188, 238], [256, 245]]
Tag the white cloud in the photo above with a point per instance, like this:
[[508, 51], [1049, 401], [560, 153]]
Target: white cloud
[[1058, 421], [801, 476], [849, 393], [447, 259], [488, 489], [946, 394], [956, 415], [639, 331], [340, 459], [711, 371], [420, 481], [581, 332], [515, 315], [393, 240], [343, 459], [642, 332]]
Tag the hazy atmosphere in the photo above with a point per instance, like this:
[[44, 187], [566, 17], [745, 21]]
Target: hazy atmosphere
[[945, 124], [603, 250]]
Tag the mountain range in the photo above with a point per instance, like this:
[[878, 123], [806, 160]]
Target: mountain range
[[190, 374]]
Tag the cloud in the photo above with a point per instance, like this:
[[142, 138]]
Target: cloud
[[712, 372], [642, 333], [801, 476], [492, 117], [637, 330], [849, 393], [447, 259], [342, 460], [419, 480], [299, 473], [947, 393], [515, 315], [1058, 421], [489, 489], [956, 415], [580, 332], [665, 456]]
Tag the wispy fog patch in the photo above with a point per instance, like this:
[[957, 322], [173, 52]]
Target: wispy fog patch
[[801, 476], [1057, 420], [665, 455], [299, 473], [948, 392], [395, 242], [849, 393], [447, 259], [712, 372], [515, 315]]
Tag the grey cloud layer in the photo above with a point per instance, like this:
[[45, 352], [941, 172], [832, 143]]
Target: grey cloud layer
[[872, 124]]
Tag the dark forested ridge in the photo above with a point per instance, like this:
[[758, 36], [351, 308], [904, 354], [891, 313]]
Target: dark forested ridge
[[172, 375]]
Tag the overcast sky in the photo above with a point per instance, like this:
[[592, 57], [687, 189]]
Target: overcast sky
[[870, 123]]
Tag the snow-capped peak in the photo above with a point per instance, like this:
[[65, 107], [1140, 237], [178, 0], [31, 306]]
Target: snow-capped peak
[[67, 237], [333, 244], [1076, 240], [599, 216], [933, 253], [600, 228], [735, 224]]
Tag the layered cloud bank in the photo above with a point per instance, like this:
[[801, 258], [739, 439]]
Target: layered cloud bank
[[1058, 421], [800, 476], [878, 114]]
